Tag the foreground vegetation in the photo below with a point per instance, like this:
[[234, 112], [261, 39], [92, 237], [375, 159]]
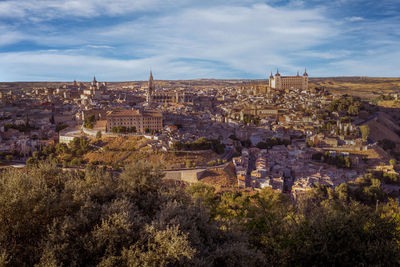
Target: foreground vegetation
[[92, 218]]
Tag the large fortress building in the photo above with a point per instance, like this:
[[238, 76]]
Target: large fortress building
[[279, 82]]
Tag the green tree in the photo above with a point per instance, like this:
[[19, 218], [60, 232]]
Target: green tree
[[89, 121]]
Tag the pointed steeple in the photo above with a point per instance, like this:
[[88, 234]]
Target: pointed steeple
[[277, 72], [271, 76], [151, 79], [150, 88], [305, 72], [94, 79]]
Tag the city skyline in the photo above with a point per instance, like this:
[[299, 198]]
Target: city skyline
[[121, 41]]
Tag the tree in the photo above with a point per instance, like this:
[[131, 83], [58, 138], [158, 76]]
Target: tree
[[190, 164], [89, 121], [60, 127], [94, 218], [364, 132], [52, 120]]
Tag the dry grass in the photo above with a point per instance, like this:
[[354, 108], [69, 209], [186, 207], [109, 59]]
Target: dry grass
[[172, 160], [106, 157], [365, 87], [221, 179], [389, 103], [123, 143]]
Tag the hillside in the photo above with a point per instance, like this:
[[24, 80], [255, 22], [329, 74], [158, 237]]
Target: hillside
[[365, 87]]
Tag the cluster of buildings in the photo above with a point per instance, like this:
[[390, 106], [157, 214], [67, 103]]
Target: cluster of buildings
[[239, 113]]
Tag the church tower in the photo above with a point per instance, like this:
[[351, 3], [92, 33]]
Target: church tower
[[305, 80], [150, 89]]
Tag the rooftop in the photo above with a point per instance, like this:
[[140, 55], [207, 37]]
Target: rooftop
[[134, 112]]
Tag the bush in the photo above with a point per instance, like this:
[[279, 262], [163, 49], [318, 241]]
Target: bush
[[94, 218], [89, 121]]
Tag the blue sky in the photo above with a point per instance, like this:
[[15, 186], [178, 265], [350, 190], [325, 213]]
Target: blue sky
[[121, 40]]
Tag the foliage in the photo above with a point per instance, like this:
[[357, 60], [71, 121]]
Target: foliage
[[246, 143], [123, 129], [249, 118], [364, 132], [23, 128], [70, 154], [61, 126], [201, 143], [54, 218], [347, 104], [190, 164], [339, 161], [273, 141], [383, 98], [89, 121], [317, 156]]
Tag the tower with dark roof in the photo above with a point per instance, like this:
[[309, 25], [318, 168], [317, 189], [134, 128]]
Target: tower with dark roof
[[150, 89]]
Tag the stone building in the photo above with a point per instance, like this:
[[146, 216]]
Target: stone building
[[96, 91], [141, 120], [279, 82], [165, 97]]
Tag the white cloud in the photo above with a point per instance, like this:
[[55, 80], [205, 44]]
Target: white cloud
[[241, 37], [353, 19], [194, 41], [58, 66], [215, 41], [50, 9]]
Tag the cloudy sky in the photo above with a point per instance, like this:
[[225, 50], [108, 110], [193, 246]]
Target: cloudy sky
[[121, 40]]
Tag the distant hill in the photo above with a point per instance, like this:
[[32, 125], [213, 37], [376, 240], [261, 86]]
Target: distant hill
[[365, 87]]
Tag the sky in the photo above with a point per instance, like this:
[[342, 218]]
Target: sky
[[121, 40]]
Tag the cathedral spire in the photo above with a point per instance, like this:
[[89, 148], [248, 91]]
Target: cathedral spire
[[150, 88]]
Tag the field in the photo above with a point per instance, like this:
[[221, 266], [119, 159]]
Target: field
[[364, 87]]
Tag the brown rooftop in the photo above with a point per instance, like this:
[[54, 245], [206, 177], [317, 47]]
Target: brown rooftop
[[134, 112], [124, 113]]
